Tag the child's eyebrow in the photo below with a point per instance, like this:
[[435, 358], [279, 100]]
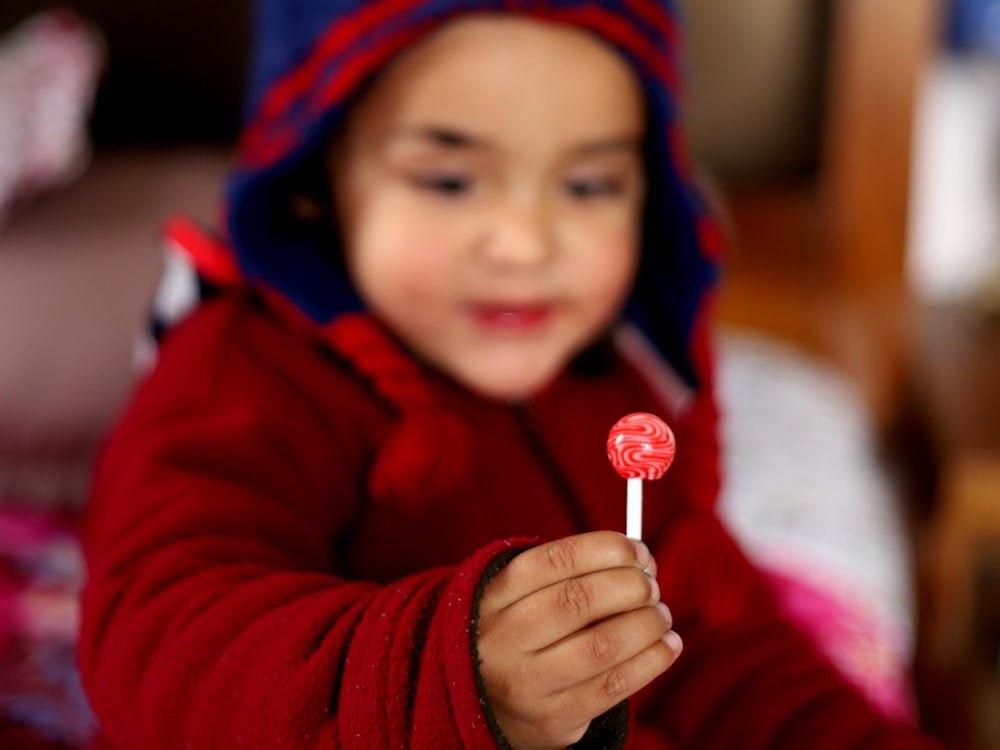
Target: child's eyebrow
[[441, 136], [626, 143], [449, 137]]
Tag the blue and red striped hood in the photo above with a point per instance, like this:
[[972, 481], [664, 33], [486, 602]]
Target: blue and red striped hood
[[310, 58]]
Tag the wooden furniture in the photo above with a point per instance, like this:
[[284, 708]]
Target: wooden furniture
[[954, 367], [954, 372], [819, 257]]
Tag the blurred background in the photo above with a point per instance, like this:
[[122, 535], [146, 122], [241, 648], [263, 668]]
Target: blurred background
[[851, 149], [854, 147]]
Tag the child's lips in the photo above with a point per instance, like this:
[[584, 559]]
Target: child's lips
[[512, 318]]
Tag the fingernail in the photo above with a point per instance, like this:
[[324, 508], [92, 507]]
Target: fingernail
[[667, 616], [641, 553], [673, 641], [654, 590]]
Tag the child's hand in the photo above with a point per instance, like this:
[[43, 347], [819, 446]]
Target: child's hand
[[567, 631]]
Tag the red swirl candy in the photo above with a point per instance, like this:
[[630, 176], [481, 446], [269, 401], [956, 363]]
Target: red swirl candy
[[641, 446]]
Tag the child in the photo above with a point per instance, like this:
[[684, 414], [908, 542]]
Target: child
[[362, 498]]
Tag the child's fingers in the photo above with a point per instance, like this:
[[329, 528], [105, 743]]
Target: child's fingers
[[605, 646], [562, 718], [542, 597], [610, 687], [549, 615], [563, 559]]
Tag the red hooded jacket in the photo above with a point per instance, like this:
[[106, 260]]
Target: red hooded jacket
[[280, 557]]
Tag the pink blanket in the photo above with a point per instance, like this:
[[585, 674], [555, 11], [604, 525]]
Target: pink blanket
[[41, 570]]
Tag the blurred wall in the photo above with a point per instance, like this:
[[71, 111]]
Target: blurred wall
[[755, 72]]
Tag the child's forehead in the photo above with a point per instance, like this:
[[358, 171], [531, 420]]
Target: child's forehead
[[483, 65], [480, 44]]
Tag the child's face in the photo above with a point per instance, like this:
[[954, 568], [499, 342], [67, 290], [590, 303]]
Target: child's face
[[489, 188]]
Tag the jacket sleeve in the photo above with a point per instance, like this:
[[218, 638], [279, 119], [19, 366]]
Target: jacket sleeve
[[205, 624], [747, 678]]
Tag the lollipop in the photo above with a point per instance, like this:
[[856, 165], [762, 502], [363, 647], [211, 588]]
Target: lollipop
[[640, 446]]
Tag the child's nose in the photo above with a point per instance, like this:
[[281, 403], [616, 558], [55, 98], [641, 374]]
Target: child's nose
[[520, 235]]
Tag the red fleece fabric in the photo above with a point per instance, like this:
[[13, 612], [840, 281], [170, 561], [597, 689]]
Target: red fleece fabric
[[248, 590]]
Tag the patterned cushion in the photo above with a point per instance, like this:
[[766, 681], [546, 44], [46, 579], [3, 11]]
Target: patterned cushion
[[810, 503]]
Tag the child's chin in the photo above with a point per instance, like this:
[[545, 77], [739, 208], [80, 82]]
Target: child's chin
[[499, 386]]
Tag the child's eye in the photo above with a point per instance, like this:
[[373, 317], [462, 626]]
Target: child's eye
[[443, 183], [593, 188]]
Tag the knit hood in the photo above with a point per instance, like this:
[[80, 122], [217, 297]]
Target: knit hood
[[312, 57]]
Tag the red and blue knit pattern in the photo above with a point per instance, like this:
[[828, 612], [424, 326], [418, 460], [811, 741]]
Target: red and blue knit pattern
[[312, 55]]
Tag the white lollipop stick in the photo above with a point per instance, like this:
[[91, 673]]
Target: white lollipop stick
[[633, 508]]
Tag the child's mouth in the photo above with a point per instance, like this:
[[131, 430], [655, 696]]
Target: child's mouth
[[511, 318]]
